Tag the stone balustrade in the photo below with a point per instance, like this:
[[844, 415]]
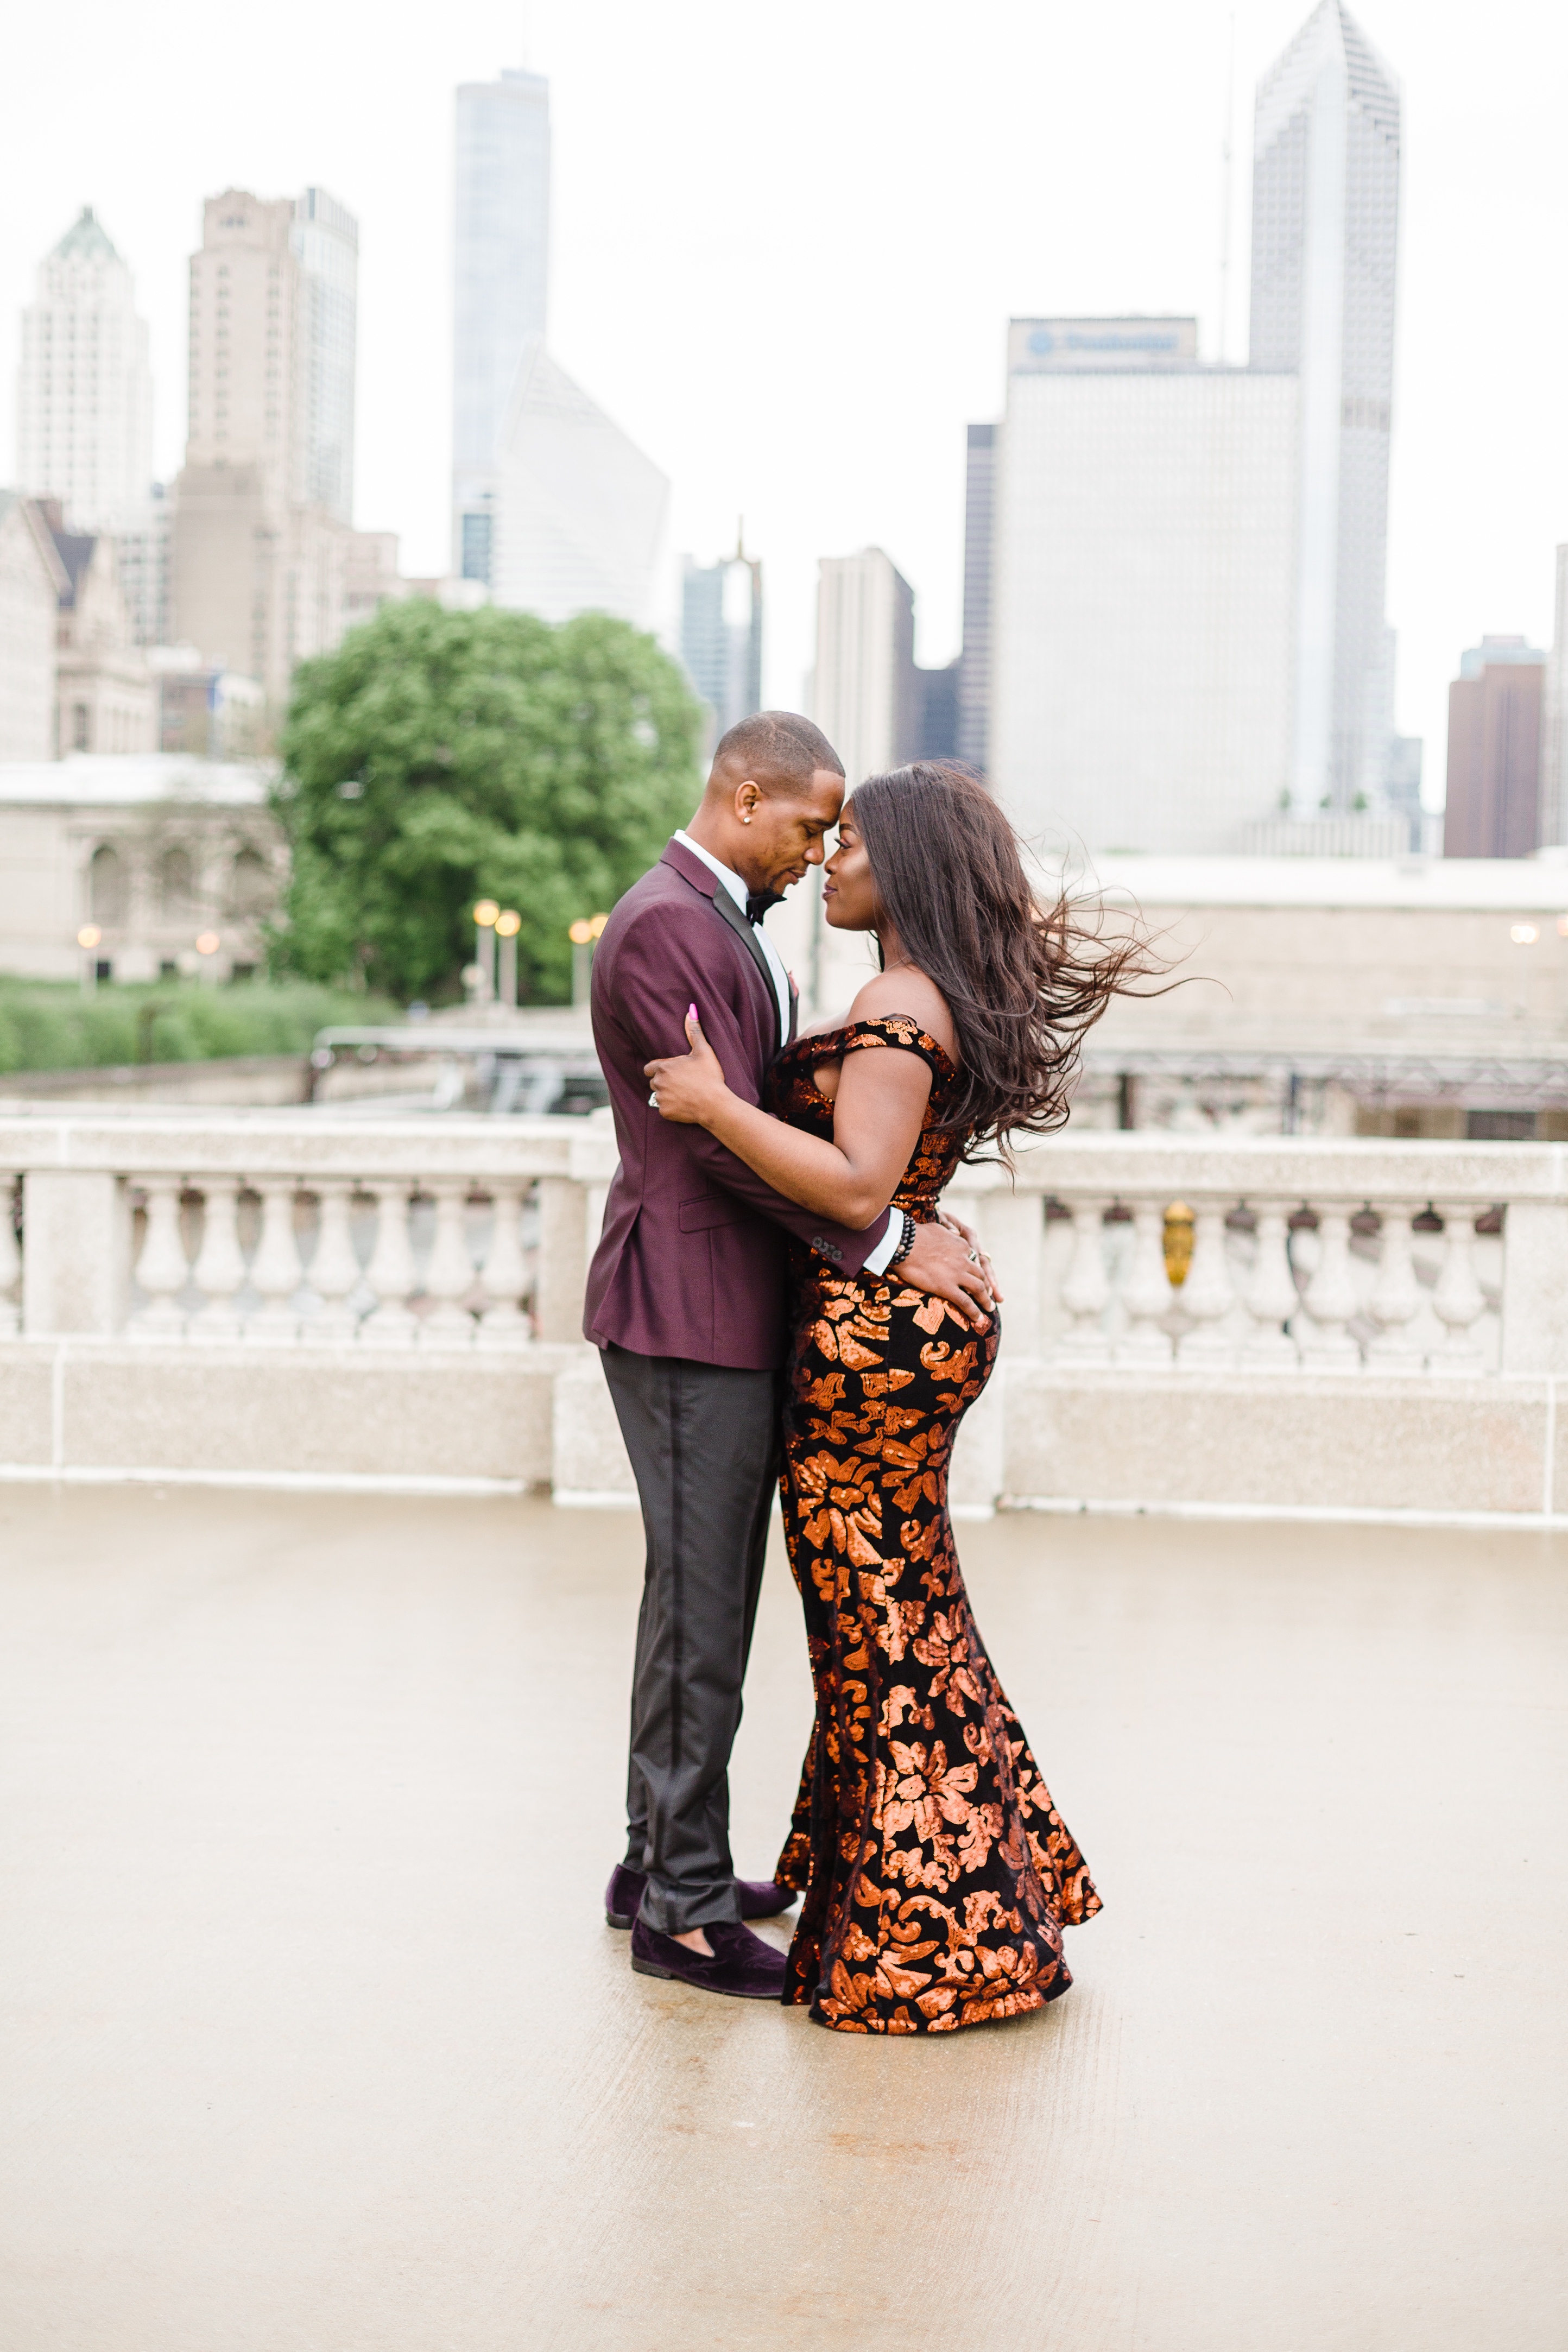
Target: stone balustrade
[[1362, 1325]]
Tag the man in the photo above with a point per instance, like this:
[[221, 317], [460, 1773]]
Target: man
[[688, 1302]]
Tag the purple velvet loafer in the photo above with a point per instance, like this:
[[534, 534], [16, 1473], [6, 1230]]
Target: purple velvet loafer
[[741, 1964], [761, 1898]]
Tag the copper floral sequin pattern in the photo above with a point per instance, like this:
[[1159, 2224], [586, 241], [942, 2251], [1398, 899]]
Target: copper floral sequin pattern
[[937, 1873]]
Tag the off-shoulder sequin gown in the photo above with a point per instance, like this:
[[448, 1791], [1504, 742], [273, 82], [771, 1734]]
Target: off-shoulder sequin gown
[[937, 1874]]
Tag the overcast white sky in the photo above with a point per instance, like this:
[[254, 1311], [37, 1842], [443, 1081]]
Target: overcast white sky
[[786, 243]]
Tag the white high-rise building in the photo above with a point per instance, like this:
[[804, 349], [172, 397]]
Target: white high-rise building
[[325, 239], [84, 409], [865, 689], [1143, 577], [578, 509], [1325, 228], [501, 280]]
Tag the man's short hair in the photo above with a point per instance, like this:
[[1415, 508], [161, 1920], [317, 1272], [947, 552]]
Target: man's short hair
[[776, 747]]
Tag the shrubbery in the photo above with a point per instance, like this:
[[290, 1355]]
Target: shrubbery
[[45, 1026]]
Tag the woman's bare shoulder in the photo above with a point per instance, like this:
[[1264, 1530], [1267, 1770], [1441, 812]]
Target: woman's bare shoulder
[[907, 991]]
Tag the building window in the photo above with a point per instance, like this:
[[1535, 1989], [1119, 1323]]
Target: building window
[[251, 887], [175, 885], [107, 891], [81, 726]]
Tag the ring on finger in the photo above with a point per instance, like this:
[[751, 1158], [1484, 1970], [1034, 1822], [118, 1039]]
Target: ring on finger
[[654, 1100]]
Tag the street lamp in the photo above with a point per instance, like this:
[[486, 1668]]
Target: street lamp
[[508, 922], [485, 915], [87, 938], [584, 934]]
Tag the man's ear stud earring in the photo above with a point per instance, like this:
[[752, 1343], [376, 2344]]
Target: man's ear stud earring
[[746, 819]]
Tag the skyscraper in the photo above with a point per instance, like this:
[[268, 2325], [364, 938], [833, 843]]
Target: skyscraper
[[1142, 637], [501, 280], [263, 508], [84, 413], [325, 241], [1494, 750], [722, 634], [974, 731], [1325, 222], [866, 697], [578, 509]]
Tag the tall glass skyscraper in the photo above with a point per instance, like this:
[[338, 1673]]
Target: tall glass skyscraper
[[326, 245], [722, 634], [501, 280], [1325, 224]]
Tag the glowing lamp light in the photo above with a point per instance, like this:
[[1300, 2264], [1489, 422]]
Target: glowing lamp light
[[1524, 935], [508, 922], [485, 913], [596, 925], [88, 936], [580, 932], [207, 943]]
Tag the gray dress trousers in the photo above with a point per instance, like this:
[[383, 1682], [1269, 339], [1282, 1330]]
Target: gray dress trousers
[[705, 1445]]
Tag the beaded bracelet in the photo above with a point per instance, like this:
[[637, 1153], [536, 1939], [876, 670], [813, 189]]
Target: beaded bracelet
[[906, 1241]]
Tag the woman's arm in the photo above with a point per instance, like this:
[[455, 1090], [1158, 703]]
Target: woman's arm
[[876, 1116]]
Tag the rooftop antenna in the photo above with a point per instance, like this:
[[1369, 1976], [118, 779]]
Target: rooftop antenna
[[740, 538], [1225, 181]]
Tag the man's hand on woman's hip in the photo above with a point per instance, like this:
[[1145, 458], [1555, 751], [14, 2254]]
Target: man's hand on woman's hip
[[943, 1261]]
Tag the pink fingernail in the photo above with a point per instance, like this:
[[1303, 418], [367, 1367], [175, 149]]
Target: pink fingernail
[[691, 1013]]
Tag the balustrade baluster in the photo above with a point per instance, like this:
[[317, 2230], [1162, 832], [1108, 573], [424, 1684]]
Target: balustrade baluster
[[1458, 1302], [1395, 1298], [1331, 1299], [1209, 1293], [334, 1269], [274, 1271], [1146, 1295], [10, 1258], [450, 1275], [1086, 1291], [391, 1273], [163, 1269], [505, 1275], [219, 1270], [1271, 1297]]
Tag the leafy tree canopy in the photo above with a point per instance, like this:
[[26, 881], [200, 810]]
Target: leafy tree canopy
[[437, 758]]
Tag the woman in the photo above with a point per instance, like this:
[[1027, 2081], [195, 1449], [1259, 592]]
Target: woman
[[937, 1874]]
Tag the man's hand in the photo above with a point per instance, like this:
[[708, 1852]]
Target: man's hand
[[943, 1263], [972, 1241]]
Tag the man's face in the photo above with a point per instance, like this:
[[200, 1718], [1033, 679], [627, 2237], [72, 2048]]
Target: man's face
[[785, 836]]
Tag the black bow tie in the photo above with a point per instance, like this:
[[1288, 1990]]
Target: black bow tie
[[759, 902]]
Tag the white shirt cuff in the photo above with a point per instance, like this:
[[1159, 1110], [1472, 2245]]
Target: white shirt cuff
[[877, 1261]]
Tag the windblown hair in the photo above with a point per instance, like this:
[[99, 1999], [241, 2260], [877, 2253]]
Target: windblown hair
[[778, 748], [1025, 984]]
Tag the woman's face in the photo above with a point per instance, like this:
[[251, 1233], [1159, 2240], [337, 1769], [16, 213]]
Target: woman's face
[[849, 893]]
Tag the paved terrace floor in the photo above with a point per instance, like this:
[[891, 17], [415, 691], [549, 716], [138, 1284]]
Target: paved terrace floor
[[316, 2042]]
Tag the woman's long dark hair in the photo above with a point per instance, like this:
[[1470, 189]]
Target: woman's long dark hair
[[1025, 984]]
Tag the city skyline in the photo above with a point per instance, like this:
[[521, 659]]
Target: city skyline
[[854, 447]]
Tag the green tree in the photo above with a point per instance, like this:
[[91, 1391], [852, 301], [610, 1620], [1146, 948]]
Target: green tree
[[436, 758]]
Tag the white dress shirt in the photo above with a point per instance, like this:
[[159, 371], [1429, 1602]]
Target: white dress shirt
[[884, 1250]]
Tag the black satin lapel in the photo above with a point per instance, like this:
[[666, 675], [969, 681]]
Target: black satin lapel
[[746, 933]]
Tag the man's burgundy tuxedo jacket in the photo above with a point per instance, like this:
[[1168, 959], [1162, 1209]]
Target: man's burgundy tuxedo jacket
[[692, 1259]]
